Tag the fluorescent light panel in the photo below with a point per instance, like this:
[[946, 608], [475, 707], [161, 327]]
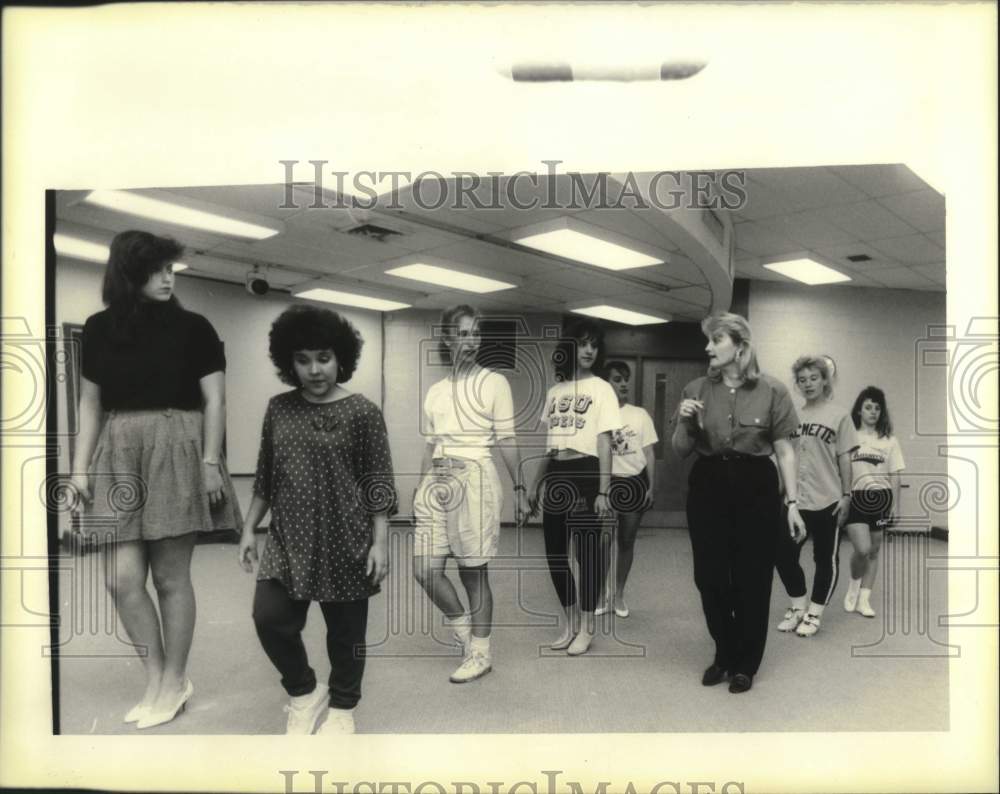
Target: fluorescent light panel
[[168, 212], [446, 277], [327, 295], [619, 315], [78, 248], [808, 272], [572, 244]]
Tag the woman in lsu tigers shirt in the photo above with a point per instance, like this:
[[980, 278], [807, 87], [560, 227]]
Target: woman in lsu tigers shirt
[[580, 413]]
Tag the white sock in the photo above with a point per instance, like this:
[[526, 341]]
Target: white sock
[[799, 603], [481, 645], [865, 594], [855, 585], [462, 626], [815, 609]]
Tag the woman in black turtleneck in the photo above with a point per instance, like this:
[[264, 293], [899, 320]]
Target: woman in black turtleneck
[[148, 456]]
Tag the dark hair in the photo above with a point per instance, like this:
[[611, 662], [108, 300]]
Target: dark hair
[[574, 331], [449, 319], [304, 327], [620, 366], [134, 257], [884, 425]]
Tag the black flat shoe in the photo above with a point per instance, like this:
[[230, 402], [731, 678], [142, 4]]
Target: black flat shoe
[[741, 683], [714, 675]]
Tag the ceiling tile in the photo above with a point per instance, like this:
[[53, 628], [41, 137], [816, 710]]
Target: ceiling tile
[[755, 238], [807, 188], [836, 255], [868, 220], [763, 202], [596, 284], [922, 209], [808, 229], [935, 273], [880, 180], [914, 249], [903, 278]]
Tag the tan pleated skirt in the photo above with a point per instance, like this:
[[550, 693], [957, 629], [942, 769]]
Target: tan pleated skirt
[[147, 482]]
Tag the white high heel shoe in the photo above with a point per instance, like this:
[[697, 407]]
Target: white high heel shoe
[[151, 718], [136, 713]]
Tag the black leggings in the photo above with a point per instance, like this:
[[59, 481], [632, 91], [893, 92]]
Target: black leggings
[[571, 486], [821, 526], [732, 508], [280, 619]]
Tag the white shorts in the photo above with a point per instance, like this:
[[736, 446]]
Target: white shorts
[[457, 511]]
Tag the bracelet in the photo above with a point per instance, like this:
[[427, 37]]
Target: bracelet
[[602, 493], [790, 502], [520, 487], [848, 493], [210, 462]]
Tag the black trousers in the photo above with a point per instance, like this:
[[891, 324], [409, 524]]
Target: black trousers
[[280, 619], [733, 506], [821, 526], [571, 486]]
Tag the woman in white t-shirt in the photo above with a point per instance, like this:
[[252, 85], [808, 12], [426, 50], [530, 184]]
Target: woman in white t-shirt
[[631, 492], [580, 414], [875, 466], [824, 440], [458, 504]]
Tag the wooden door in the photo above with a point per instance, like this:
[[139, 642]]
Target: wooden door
[[661, 383]]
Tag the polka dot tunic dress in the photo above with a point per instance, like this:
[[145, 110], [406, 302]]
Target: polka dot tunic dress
[[325, 468]]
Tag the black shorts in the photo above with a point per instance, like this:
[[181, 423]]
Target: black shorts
[[872, 508], [628, 494]]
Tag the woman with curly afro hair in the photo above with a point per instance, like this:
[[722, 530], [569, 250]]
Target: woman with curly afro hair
[[325, 472]]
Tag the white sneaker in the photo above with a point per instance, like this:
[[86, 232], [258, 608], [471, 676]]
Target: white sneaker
[[476, 665], [337, 721], [809, 625], [304, 711], [865, 608], [851, 596], [792, 619]]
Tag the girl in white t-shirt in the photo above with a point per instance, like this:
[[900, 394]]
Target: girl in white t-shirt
[[580, 413], [458, 504], [631, 492], [875, 467]]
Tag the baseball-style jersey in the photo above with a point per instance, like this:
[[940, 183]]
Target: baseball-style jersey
[[466, 416], [629, 441], [824, 433], [874, 460], [576, 411]]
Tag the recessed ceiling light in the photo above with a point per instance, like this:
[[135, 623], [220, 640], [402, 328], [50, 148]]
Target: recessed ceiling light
[[808, 272], [619, 315], [78, 248], [447, 277], [581, 247], [342, 298], [179, 214]]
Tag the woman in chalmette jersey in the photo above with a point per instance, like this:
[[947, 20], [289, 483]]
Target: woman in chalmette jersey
[[149, 456], [580, 413], [458, 504], [875, 467], [825, 439]]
